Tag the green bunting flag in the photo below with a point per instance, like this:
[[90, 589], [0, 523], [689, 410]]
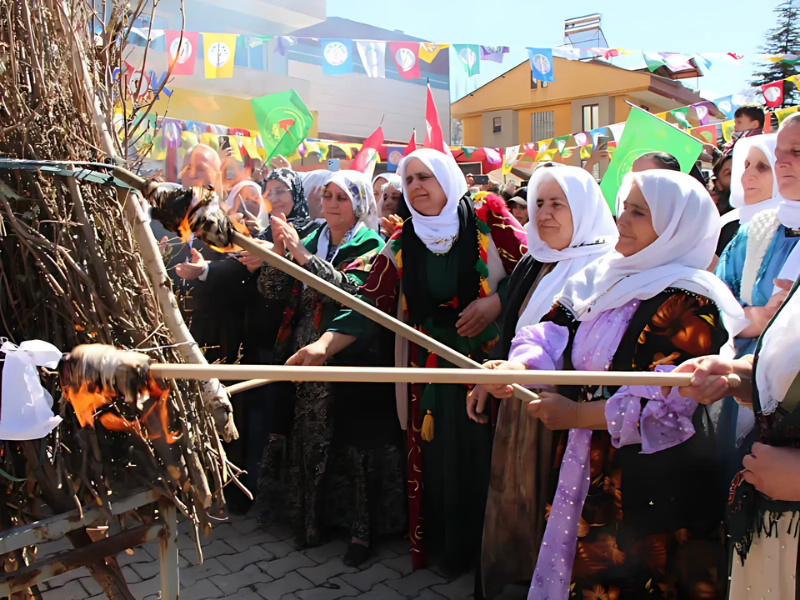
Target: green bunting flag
[[283, 120], [469, 55], [654, 61], [680, 116], [254, 41], [647, 133], [561, 142]]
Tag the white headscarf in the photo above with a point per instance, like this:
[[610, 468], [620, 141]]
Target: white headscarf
[[385, 176], [594, 234], [789, 216], [745, 212], [392, 181], [359, 190], [263, 216], [779, 356], [438, 233], [687, 223], [315, 179]]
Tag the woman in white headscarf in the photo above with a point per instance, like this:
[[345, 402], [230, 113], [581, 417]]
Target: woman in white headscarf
[[761, 519], [324, 473], [636, 506], [443, 271], [752, 188], [750, 264], [391, 206], [569, 226], [379, 181], [756, 255], [391, 196]]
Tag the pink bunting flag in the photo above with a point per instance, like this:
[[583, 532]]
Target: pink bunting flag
[[406, 58], [181, 51]]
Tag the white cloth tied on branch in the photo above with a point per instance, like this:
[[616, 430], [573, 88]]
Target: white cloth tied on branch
[[26, 408]]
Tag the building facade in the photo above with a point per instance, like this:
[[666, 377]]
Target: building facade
[[347, 107], [513, 109]]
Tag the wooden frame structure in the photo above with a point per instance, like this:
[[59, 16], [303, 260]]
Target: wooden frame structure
[[163, 528]]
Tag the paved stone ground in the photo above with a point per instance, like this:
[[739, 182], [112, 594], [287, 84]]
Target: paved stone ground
[[244, 561]]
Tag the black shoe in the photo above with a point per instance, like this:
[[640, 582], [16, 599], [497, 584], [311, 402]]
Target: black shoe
[[356, 554]]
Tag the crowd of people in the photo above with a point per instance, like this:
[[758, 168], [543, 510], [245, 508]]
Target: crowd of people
[[588, 492]]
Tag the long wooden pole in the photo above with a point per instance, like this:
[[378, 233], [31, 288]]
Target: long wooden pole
[[393, 375], [348, 300], [369, 311]]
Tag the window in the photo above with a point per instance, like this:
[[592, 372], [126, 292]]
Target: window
[[536, 84], [591, 117], [497, 124], [542, 125]]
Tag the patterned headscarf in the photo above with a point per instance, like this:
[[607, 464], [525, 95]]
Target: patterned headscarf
[[358, 189], [298, 216]]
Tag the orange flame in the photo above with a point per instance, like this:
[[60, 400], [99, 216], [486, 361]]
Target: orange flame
[[155, 420]]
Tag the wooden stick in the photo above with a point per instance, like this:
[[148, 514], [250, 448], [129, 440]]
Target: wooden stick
[[369, 311], [393, 375], [245, 385]]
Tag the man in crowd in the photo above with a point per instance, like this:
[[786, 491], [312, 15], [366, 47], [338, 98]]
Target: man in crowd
[[518, 205]]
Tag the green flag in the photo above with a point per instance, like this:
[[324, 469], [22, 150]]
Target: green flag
[[647, 133], [283, 121], [469, 55], [654, 61], [680, 116], [561, 143]]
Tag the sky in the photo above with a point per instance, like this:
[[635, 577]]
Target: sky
[[683, 26]]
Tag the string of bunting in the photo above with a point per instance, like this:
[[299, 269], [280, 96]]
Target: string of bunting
[[155, 135], [586, 142], [338, 54]]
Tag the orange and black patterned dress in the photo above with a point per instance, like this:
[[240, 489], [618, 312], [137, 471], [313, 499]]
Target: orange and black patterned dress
[[650, 525]]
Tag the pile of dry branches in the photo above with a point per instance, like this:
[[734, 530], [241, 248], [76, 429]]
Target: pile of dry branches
[[72, 271]]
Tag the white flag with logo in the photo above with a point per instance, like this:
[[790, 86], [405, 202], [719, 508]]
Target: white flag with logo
[[373, 57]]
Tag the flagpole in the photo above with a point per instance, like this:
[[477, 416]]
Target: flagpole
[[272, 154]]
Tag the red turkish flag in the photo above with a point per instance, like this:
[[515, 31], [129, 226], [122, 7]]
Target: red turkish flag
[[412, 144], [773, 94], [370, 150], [406, 58], [433, 134], [184, 60]]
